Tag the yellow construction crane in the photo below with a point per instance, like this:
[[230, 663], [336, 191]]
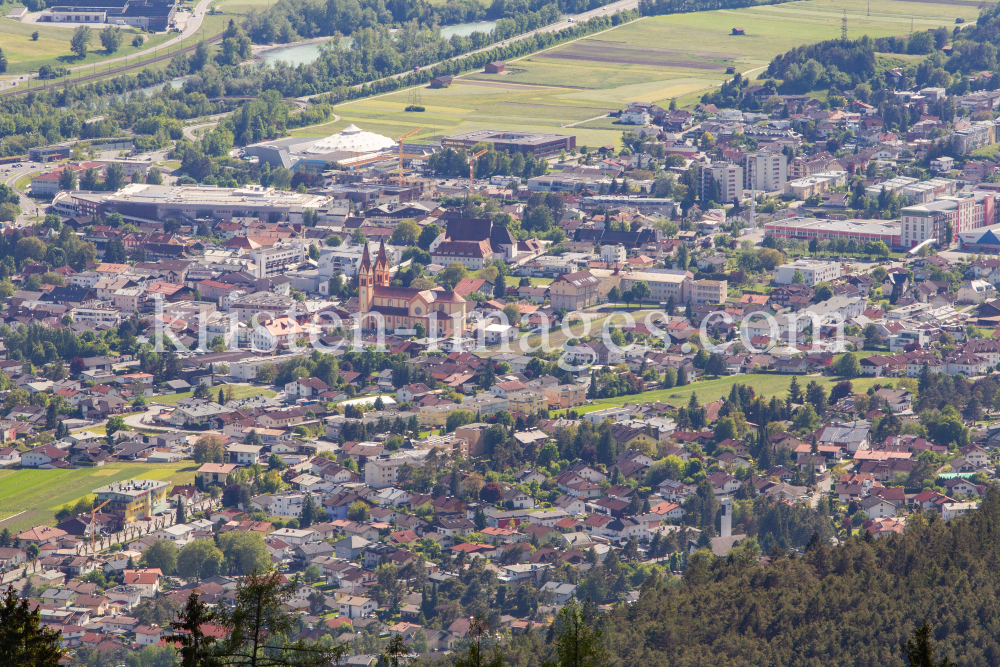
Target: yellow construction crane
[[472, 167], [93, 534], [400, 142]]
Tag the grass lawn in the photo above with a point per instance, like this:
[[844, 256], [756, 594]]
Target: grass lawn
[[711, 390], [986, 152], [39, 493], [239, 391], [570, 89], [540, 281], [212, 25], [52, 47]]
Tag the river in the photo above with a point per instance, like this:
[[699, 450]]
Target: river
[[306, 53]]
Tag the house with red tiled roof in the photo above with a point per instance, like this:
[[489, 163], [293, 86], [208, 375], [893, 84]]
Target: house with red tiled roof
[[147, 580], [467, 286], [40, 535], [46, 456]]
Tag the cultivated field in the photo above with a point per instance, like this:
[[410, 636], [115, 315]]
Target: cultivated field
[[571, 88], [31, 497]]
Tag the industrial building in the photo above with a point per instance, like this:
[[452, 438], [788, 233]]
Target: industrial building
[[985, 239], [350, 147], [527, 143], [861, 231], [139, 201], [152, 15]]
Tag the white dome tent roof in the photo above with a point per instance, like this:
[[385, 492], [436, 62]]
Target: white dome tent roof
[[352, 139]]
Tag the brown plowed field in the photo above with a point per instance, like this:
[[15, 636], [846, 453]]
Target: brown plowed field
[[614, 52]]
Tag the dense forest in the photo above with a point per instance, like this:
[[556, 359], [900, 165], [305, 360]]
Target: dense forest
[[850, 605]]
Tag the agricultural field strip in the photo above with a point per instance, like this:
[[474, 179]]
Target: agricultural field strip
[[33, 489], [531, 98]]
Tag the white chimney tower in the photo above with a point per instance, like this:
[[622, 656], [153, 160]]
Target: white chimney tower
[[726, 524]]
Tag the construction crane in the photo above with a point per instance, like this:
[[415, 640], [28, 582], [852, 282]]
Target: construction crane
[[400, 142], [93, 533], [472, 167]]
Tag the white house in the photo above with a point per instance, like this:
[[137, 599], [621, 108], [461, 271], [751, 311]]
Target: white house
[[953, 510], [244, 455], [146, 635], [179, 534], [976, 291], [41, 457], [353, 606], [9, 456], [287, 505], [635, 118], [295, 536], [147, 580], [561, 592], [877, 508], [306, 387]]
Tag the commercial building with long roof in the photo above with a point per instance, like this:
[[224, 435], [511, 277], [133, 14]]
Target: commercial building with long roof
[[189, 202], [862, 231]]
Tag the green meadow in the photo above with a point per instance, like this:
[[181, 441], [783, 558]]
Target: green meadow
[[572, 88]]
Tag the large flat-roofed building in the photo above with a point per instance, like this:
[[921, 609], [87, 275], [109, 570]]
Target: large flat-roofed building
[[641, 204], [134, 499], [813, 271], [155, 15], [261, 302], [352, 146], [279, 258], [861, 231], [986, 239], [663, 284], [159, 202], [48, 153], [528, 143], [965, 212]]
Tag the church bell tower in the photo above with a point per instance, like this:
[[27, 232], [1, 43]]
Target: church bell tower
[[365, 283], [381, 270]]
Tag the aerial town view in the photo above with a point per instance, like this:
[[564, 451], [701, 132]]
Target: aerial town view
[[485, 333]]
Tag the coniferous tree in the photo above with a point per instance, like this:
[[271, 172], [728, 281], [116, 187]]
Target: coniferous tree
[[578, 644], [24, 641], [794, 391]]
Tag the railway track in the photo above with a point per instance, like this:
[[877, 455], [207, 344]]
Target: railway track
[[111, 72]]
